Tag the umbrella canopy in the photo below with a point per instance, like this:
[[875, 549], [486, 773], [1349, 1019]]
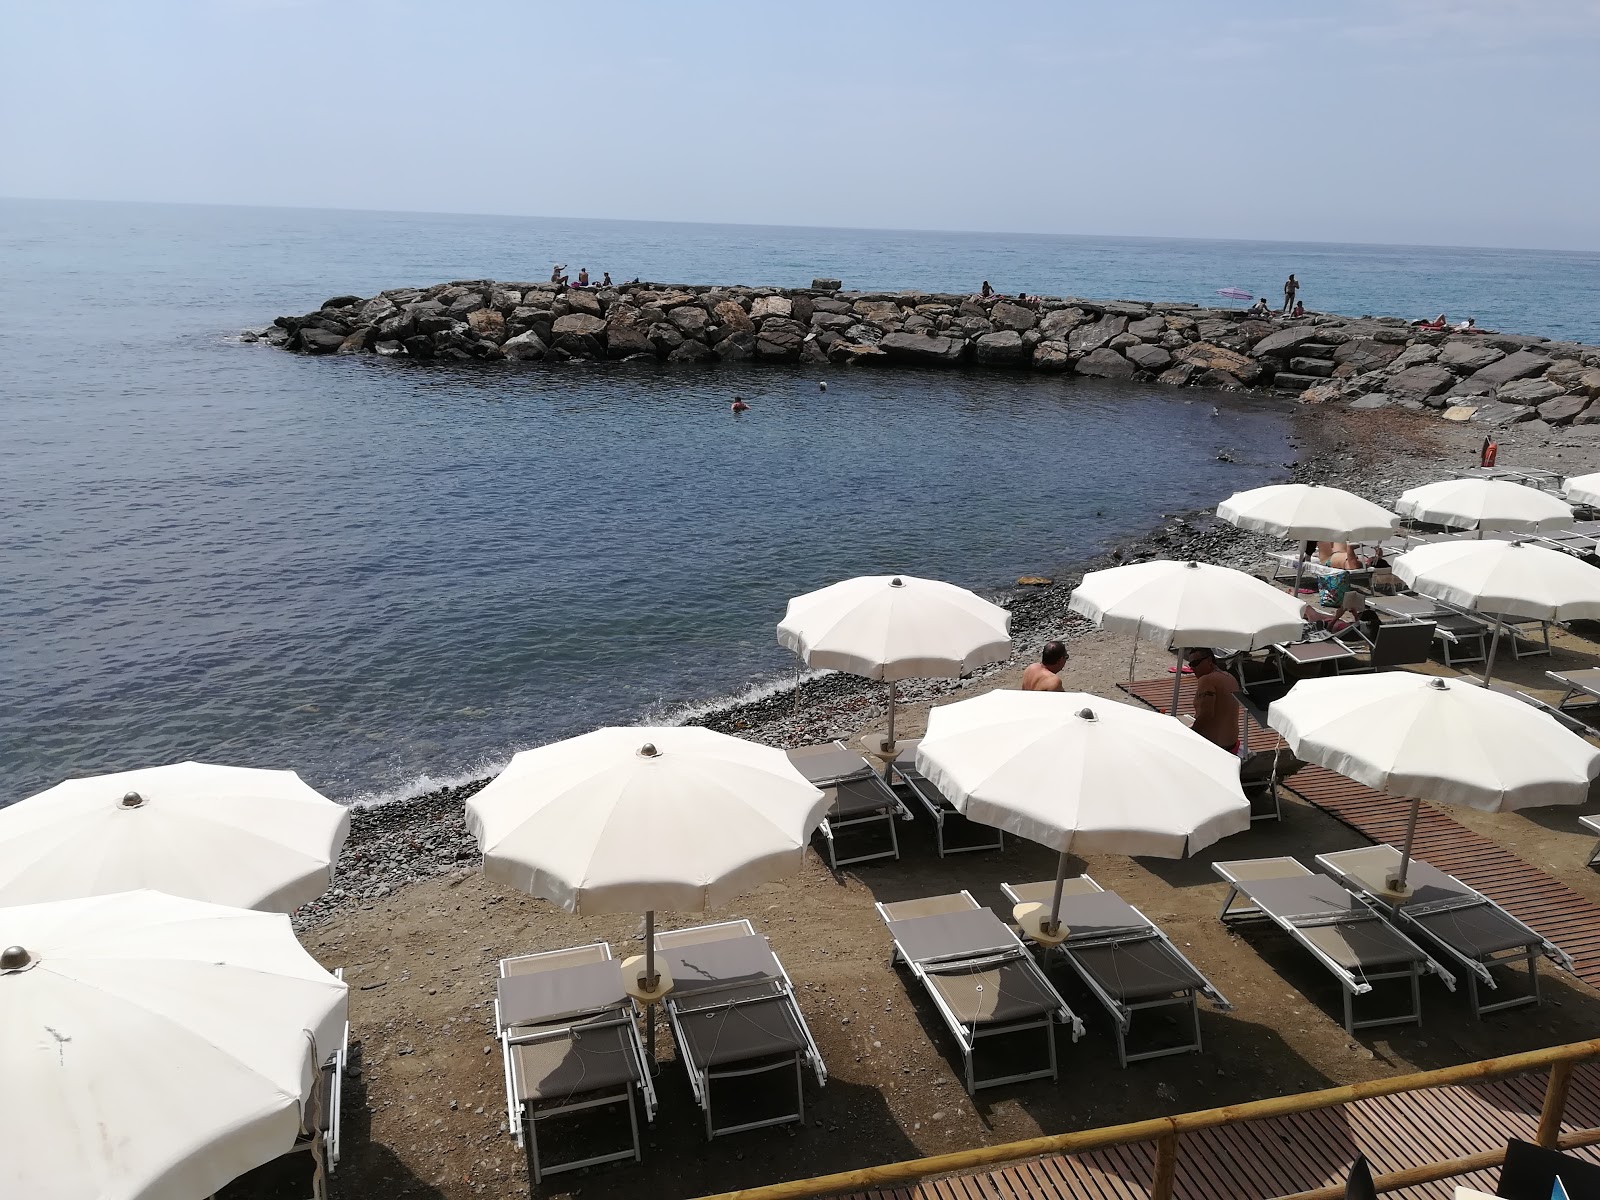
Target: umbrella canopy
[[633, 820], [896, 627], [1583, 489], [153, 1046], [1189, 604], [1435, 739], [1485, 504], [229, 835], [1506, 578], [1307, 511]]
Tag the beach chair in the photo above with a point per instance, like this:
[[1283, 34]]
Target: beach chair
[[971, 835], [860, 797], [1341, 930], [734, 1016], [982, 980], [1464, 634], [1396, 644], [320, 1120], [1123, 958], [1468, 926], [1592, 824], [1584, 682], [569, 1043]]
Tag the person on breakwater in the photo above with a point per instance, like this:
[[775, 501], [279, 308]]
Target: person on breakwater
[[1299, 310], [987, 290], [1045, 675], [605, 280], [738, 405], [583, 276], [556, 276], [1216, 704], [1291, 286], [1259, 309]]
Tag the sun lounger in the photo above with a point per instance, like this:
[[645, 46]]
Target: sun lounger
[[982, 979], [1568, 719], [1584, 682], [569, 1043], [1471, 928], [1341, 930], [1592, 824], [1122, 957], [734, 1016], [860, 797], [980, 837], [1466, 635], [320, 1121]]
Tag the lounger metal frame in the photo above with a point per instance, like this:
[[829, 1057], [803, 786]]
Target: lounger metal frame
[[324, 1143], [1479, 969], [1122, 1011], [522, 1118], [1351, 985], [893, 807], [967, 1036], [941, 809], [1592, 824], [701, 1080]]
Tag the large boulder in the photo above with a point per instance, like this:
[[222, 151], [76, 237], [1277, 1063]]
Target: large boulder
[[1106, 363], [771, 306], [1148, 358], [1413, 356], [1420, 382], [464, 306], [583, 301], [487, 324], [1563, 409], [627, 338], [1055, 326], [1527, 391], [319, 341], [523, 347], [829, 320], [1320, 367], [1089, 337], [691, 350], [877, 311], [579, 334], [731, 316], [690, 320], [1051, 356], [922, 348], [1007, 315], [664, 336], [1467, 354], [1285, 342], [780, 338], [738, 346], [1208, 357], [358, 340], [1521, 365], [1001, 348], [1568, 373], [1497, 412], [1148, 327], [1360, 355], [855, 353], [1178, 375]]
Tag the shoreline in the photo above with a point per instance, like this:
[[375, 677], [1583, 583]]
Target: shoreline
[[400, 842]]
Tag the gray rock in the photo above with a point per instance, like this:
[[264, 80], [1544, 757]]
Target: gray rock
[[974, 327], [487, 324], [627, 338], [1420, 382], [1051, 356], [578, 324], [1373, 400], [1122, 341], [524, 347], [770, 306], [1468, 354], [1320, 367], [877, 311], [917, 323], [1520, 365], [731, 316], [922, 348], [1001, 348], [863, 335], [1288, 381], [464, 306], [1413, 356], [1006, 315], [737, 347], [1148, 327], [389, 349], [1131, 309], [1365, 354], [1086, 338], [1568, 373], [689, 319], [690, 350], [664, 336], [1588, 382], [828, 320], [1106, 363], [1496, 412], [1205, 356], [780, 338], [1058, 324], [1285, 342], [1563, 409], [319, 341], [1178, 376], [343, 301], [1472, 388], [825, 285], [1148, 358], [357, 341], [822, 304], [1527, 391]]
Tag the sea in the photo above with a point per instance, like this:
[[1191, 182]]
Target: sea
[[390, 576]]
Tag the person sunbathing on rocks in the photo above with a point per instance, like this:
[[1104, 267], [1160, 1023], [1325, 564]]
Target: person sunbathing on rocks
[[1259, 309]]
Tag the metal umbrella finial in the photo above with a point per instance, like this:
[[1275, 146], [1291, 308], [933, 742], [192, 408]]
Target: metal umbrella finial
[[897, 582], [1438, 685], [1087, 714], [14, 958], [131, 800], [648, 750]]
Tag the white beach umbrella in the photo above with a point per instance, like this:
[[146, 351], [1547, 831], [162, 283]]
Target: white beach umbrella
[[1506, 578], [1307, 512], [1187, 605], [229, 835], [1083, 775], [1583, 489], [894, 627], [1427, 738], [1484, 504], [153, 1047], [635, 820]]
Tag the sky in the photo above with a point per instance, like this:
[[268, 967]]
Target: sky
[[1455, 122]]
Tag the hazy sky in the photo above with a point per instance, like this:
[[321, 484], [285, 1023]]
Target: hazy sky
[[1467, 122]]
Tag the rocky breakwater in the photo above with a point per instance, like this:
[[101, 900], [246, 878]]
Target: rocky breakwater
[[1367, 362]]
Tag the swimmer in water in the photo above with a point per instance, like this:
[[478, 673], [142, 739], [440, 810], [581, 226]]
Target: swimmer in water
[[823, 384], [739, 405]]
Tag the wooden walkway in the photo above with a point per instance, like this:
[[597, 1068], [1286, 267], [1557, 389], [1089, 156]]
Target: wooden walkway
[[1546, 905], [1283, 1155]]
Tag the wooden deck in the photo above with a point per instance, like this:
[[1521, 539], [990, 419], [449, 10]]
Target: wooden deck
[[1549, 907], [1283, 1155]]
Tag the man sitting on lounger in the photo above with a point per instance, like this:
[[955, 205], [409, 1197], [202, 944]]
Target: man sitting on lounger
[[1045, 675], [1216, 707]]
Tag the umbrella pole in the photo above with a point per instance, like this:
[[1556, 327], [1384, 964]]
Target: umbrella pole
[[1488, 661], [891, 715], [1133, 659], [1055, 899], [650, 981], [1299, 570], [797, 666], [1405, 853], [1177, 678]]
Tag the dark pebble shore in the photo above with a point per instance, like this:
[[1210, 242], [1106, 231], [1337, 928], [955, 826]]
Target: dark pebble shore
[[401, 842]]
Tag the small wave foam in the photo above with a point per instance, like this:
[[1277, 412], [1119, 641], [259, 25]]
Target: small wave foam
[[421, 785], [765, 689]]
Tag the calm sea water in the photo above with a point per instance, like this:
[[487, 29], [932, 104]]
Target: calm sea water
[[382, 574]]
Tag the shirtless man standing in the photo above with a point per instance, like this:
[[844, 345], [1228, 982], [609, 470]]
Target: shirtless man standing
[[1216, 704], [1045, 675]]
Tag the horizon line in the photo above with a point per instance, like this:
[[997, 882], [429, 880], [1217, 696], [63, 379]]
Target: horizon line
[[1144, 237]]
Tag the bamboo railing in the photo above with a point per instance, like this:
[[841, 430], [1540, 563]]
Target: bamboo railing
[[1167, 1132]]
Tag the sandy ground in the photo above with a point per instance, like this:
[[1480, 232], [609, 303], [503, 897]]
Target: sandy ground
[[425, 1108]]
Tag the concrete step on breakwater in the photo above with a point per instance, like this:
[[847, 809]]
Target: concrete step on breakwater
[[1364, 362]]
